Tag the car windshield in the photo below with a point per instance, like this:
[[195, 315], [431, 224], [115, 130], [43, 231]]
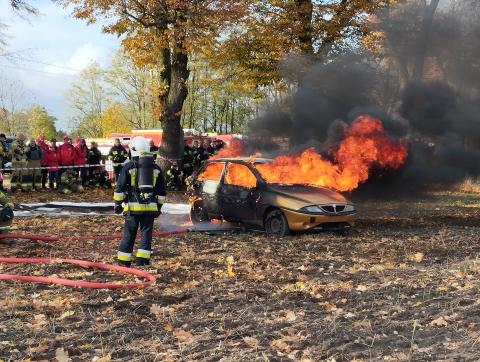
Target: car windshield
[[273, 175]]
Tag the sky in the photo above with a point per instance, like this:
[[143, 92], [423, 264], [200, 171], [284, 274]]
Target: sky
[[47, 53]]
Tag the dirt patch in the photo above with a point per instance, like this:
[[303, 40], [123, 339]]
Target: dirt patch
[[402, 286]]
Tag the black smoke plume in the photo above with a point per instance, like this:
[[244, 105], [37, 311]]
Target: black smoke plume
[[436, 107]]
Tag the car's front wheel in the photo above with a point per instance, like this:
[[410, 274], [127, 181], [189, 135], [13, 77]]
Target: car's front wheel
[[198, 214], [276, 224]]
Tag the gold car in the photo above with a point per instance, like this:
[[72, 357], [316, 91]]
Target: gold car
[[232, 189]]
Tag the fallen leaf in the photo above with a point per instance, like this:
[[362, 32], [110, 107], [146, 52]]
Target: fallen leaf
[[67, 314], [290, 316], [251, 342], [106, 358], [168, 327], [183, 336], [362, 288], [417, 258], [439, 322], [61, 355]]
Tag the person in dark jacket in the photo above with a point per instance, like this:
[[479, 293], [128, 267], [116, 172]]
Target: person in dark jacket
[[187, 161], [139, 194], [118, 155], [154, 149], [94, 158], [6, 213], [174, 178], [34, 159], [44, 147], [3, 157]]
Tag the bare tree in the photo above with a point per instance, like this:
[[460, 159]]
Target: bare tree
[[12, 102]]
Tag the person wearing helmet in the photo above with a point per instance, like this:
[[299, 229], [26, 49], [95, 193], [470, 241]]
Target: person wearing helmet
[[118, 155], [174, 177], [139, 195], [6, 213]]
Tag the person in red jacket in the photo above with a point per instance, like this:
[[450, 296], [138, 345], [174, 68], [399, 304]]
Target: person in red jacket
[[67, 153], [81, 150], [44, 147], [52, 159]]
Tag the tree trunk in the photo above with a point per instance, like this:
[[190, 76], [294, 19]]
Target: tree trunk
[[304, 15], [171, 147], [192, 100], [234, 102], [423, 39]]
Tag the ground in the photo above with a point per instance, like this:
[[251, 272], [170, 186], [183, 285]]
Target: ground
[[402, 286]]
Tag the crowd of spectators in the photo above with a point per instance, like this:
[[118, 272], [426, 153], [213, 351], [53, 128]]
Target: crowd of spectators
[[40, 164]]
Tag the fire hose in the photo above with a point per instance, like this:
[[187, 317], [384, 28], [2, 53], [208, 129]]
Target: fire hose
[[149, 278]]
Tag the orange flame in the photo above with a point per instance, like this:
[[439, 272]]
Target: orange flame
[[366, 145], [234, 149]]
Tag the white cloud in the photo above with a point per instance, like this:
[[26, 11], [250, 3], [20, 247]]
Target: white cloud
[[81, 58]]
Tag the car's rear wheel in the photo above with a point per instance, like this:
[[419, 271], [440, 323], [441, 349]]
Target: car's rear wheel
[[198, 214], [276, 224]]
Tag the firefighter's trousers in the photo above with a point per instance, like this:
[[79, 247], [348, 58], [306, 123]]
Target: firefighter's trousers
[[132, 224]]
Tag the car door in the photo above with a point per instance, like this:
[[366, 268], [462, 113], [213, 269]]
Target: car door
[[207, 185], [237, 193]]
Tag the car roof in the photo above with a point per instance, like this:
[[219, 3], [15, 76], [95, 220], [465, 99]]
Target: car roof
[[243, 159]]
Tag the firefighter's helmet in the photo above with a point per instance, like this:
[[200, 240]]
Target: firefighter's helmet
[[139, 146]]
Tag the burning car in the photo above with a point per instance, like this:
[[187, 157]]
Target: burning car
[[234, 190]]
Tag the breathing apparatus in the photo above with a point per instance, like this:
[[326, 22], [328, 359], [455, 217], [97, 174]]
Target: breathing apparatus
[[144, 180]]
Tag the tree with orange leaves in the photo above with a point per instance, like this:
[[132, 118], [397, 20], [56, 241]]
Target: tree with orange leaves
[[163, 33]]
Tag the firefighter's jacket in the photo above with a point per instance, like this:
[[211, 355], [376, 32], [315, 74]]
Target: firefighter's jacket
[[19, 152], [117, 155], [175, 179], [3, 153], [127, 193], [4, 201]]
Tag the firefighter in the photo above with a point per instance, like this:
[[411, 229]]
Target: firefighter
[[188, 160], [34, 159], [3, 157], [70, 182], [100, 179], [19, 162], [198, 154], [6, 213], [94, 157], [154, 149], [174, 177], [139, 194], [118, 155]]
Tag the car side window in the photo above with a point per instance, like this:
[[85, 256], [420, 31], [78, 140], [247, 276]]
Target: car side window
[[240, 175], [212, 172]]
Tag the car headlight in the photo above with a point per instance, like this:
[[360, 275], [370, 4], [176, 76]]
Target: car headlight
[[312, 208], [349, 208]]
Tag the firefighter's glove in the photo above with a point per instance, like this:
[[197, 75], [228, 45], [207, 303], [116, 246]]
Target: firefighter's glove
[[118, 208], [159, 212]]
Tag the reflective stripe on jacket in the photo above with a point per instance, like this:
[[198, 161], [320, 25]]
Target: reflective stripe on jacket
[[126, 192]]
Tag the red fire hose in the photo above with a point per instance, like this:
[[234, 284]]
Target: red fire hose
[[149, 278]]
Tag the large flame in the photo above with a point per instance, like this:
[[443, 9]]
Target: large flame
[[366, 145]]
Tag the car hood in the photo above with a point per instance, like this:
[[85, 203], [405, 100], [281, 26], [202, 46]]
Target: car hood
[[310, 195]]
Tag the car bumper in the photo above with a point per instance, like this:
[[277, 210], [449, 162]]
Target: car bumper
[[298, 221]]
